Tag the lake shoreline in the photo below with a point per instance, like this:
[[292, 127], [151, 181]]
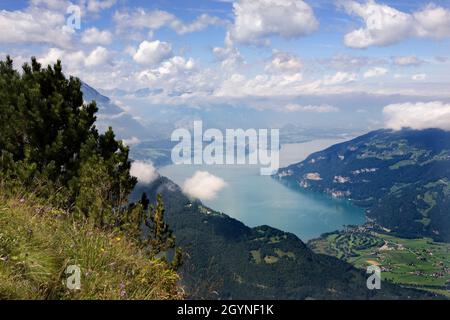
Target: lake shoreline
[[261, 200]]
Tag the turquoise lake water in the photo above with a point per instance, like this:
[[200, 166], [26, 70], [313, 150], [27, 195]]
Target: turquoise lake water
[[262, 200]]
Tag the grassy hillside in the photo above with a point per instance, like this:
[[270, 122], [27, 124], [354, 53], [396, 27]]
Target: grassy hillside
[[38, 242]]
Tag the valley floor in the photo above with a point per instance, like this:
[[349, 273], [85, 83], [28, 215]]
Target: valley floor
[[419, 263]]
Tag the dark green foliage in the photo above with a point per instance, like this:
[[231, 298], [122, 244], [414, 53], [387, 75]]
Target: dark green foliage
[[158, 237], [144, 201], [48, 138], [219, 263], [44, 121], [401, 177], [50, 148], [105, 172]]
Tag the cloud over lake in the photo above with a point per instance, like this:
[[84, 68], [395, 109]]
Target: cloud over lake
[[203, 185], [145, 172]]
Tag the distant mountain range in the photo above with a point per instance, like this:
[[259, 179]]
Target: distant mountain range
[[224, 259], [161, 119], [150, 137], [401, 177], [124, 124], [110, 114]]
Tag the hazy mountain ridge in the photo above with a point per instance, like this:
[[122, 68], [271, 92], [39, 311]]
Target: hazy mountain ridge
[[401, 177], [111, 115]]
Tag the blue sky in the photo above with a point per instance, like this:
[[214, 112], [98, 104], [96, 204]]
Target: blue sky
[[291, 56]]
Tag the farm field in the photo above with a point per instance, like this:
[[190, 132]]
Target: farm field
[[419, 263]]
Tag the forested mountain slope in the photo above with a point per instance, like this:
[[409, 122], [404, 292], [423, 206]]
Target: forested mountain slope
[[401, 177], [225, 259]]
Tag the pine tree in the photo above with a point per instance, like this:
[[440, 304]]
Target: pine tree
[[160, 236], [144, 201], [48, 137]]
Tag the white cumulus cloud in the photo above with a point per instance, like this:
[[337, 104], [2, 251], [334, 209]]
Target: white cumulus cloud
[[203, 185], [200, 23], [152, 52], [155, 19], [34, 25], [74, 59], [433, 21], [145, 172], [98, 56], [421, 115], [229, 56], [255, 20], [95, 36], [385, 25], [98, 5], [172, 71], [283, 62]]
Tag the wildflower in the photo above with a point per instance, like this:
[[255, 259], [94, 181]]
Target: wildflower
[[123, 292]]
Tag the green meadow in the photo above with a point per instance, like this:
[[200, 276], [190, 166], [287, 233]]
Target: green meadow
[[419, 263]]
